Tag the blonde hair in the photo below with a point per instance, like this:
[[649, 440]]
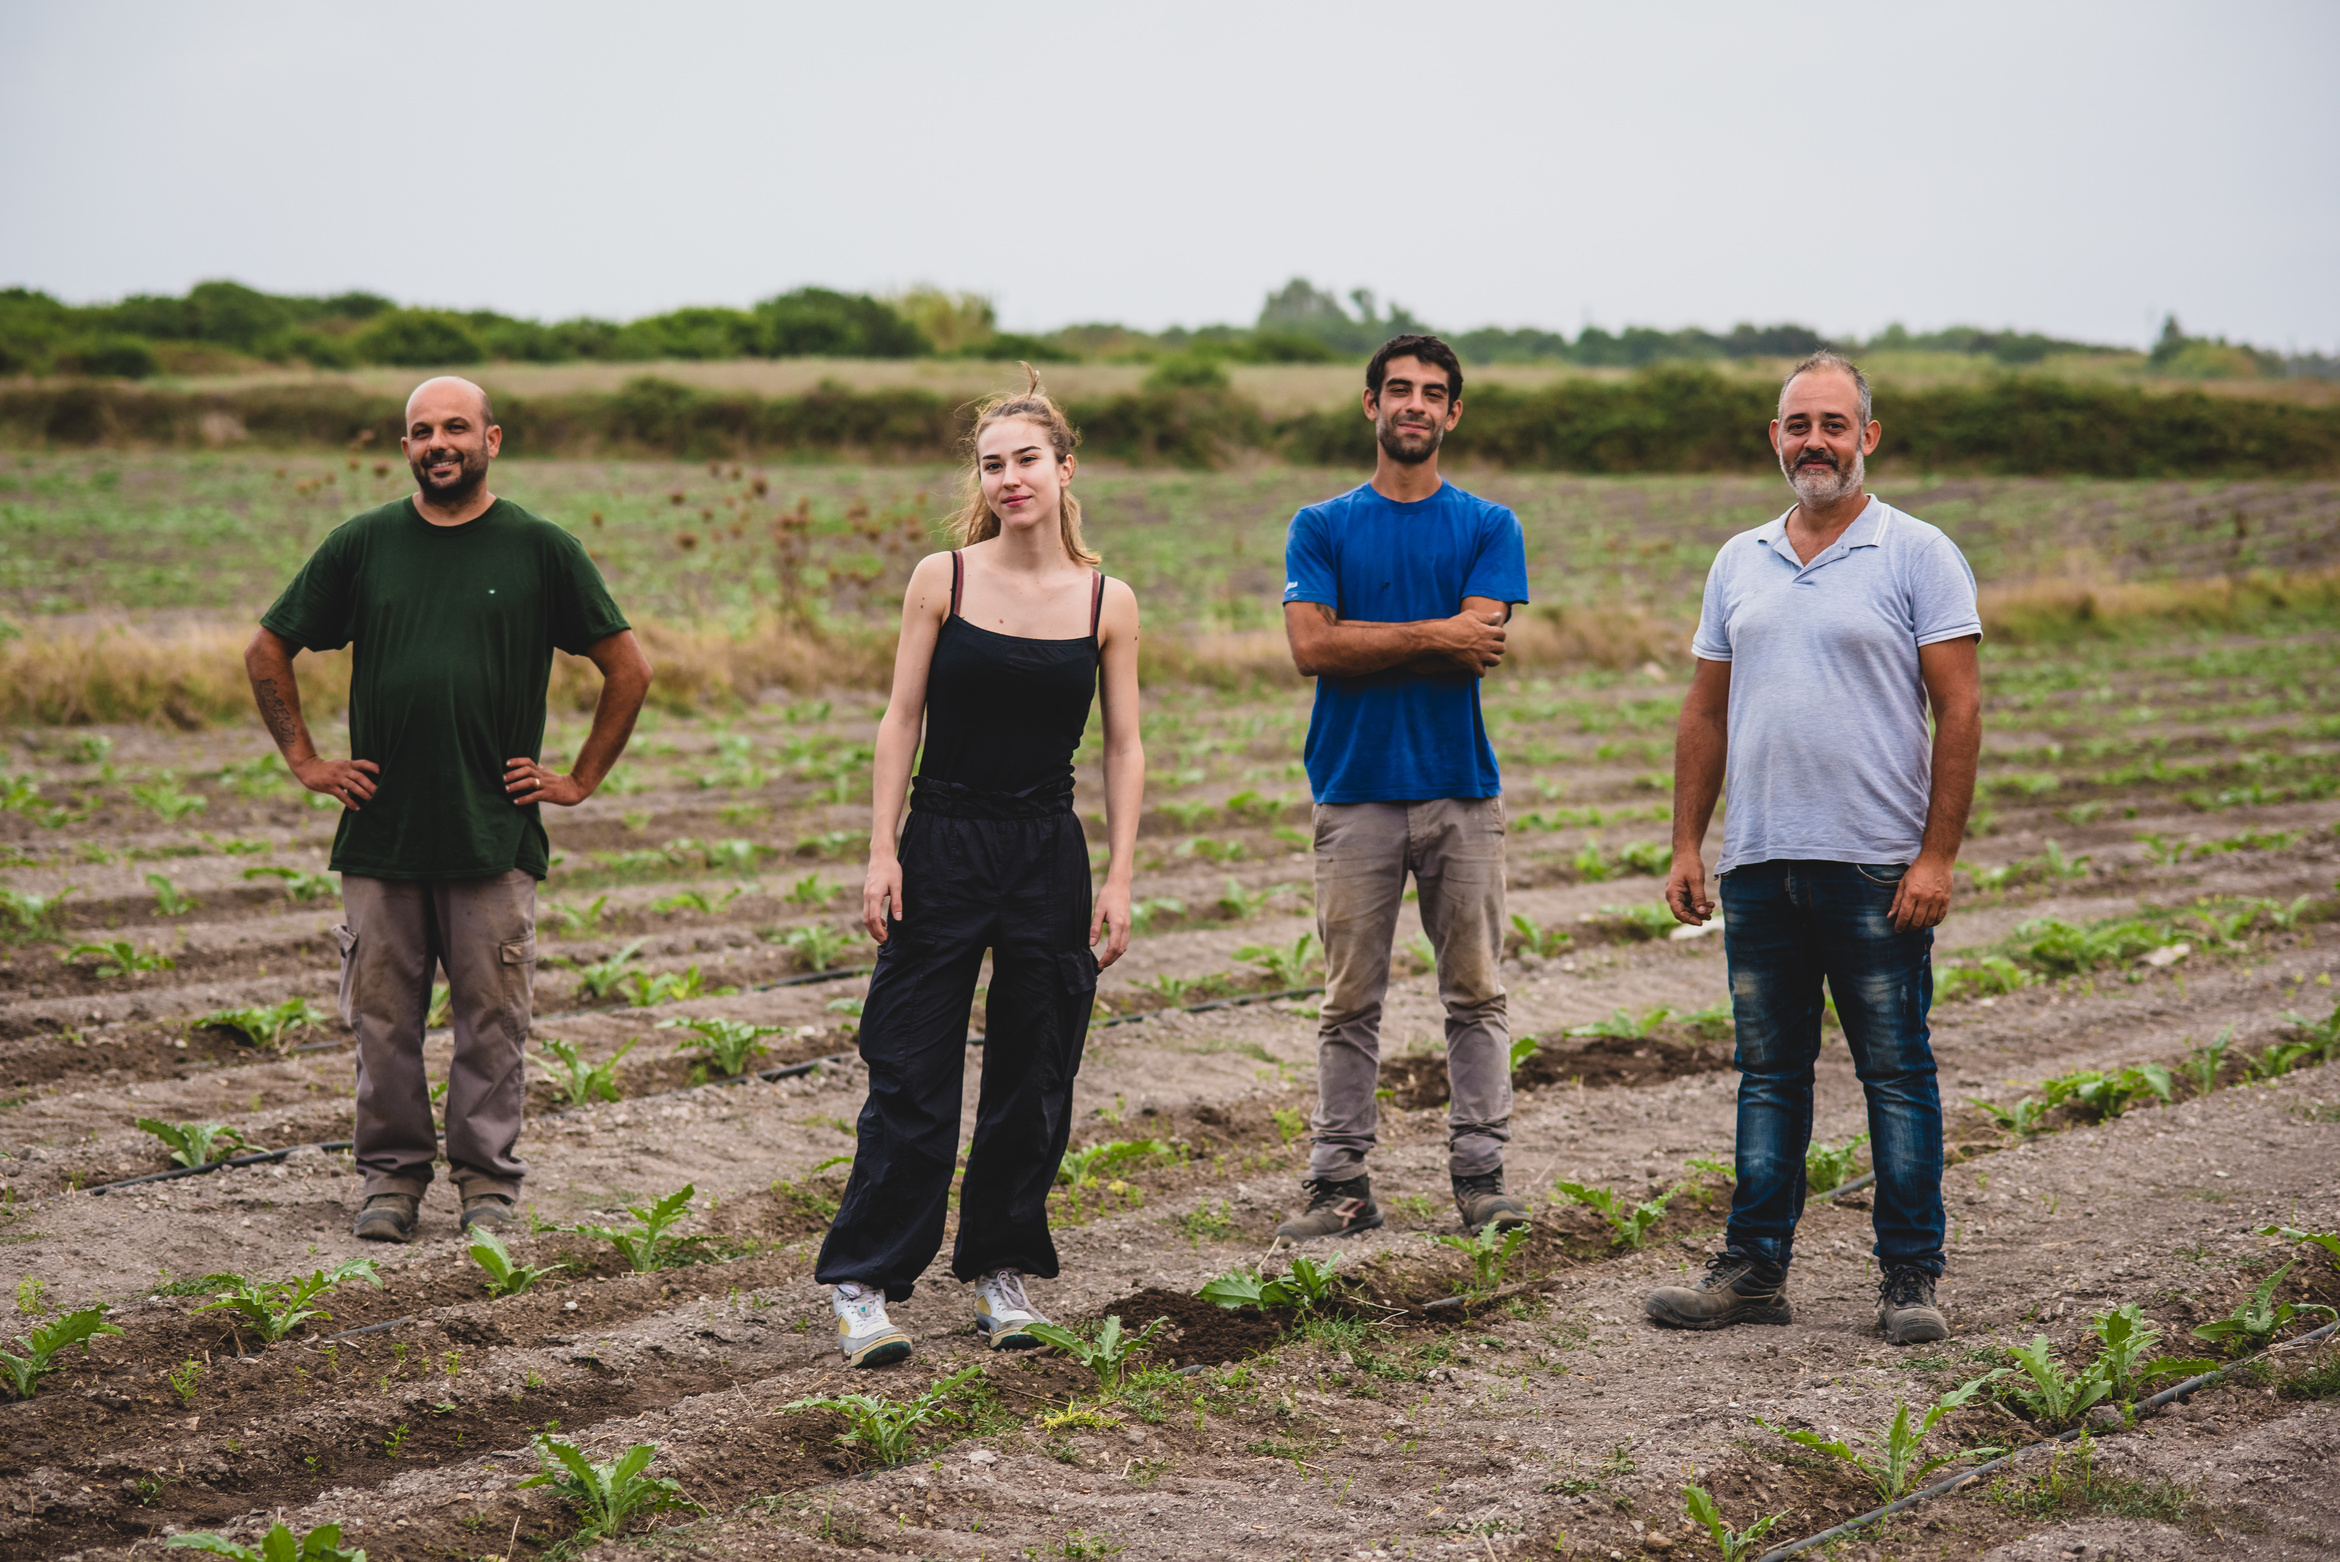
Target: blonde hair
[[976, 520]]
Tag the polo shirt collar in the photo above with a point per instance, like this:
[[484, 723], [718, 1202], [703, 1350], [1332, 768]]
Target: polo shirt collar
[[1866, 531]]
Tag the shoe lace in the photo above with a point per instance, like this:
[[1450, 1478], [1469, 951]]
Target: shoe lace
[[1902, 1287], [1484, 1182], [1723, 1268], [1007, 1286], [1328, 1192]]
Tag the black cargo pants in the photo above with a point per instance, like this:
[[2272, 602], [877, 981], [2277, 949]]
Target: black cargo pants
[[1020, 888]]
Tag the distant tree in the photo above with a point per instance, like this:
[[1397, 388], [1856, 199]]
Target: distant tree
[[418, 338], [818, 322]]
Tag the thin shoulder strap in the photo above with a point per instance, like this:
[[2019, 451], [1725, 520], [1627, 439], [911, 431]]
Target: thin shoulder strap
[[1097, 604], [954, 583]]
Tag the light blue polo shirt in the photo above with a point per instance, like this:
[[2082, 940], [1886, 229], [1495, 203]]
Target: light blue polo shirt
[[1830, 755]]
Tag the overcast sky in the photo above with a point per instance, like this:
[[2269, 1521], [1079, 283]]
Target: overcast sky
[[2072, 168]]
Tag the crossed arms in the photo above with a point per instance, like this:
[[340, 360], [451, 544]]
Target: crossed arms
[[1325, 645]]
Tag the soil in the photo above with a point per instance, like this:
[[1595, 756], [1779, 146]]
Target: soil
[[1544, 1419]]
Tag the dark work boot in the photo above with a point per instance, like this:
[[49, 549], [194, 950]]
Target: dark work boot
[[1906, 1313], [1482, 1200], [492, 1210], [1335, 1209], [387, 1217], [1733, 1290]]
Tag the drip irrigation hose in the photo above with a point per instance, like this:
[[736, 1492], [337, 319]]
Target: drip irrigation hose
[[1943, 1488], [256, 1158]]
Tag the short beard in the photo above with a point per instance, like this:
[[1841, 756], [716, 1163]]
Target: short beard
[[1819, 487], [462, 489], [1405, 447]]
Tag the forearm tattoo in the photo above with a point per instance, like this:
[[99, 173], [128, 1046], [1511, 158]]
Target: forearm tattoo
[[284, 723]]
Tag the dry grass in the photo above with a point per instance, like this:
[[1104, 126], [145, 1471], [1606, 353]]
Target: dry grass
[[2054, 611]]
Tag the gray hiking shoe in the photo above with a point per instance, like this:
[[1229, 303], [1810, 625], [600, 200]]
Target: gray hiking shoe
[[491, 1210], [1906, 1313], [1483, 1201], [387, 1217], [1733, 1290], [1335, 1209]]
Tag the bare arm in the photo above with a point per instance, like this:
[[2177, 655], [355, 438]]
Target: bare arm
[[1953, 674], [1701, 739], [625, 679], [268, 663], [1125, 770], [924, 603], [1327, 646]]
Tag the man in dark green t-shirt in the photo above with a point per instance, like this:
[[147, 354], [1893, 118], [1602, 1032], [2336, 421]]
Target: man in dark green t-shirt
[[455, 601]]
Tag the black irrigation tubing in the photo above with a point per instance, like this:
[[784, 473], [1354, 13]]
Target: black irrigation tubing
[[1943, 1488], [256, 1158]]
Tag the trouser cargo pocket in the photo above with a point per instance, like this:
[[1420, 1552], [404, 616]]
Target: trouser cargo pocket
[[347, 941]]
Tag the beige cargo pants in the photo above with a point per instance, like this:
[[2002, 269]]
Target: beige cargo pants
[[1453, 847], [482, 933]]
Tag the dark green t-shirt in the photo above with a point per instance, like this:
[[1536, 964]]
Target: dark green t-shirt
[[455, 628]]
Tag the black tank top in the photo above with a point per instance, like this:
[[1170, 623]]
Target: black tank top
[[1004, 713]]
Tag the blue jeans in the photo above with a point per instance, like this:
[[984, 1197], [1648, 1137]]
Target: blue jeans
[[1786, 926]]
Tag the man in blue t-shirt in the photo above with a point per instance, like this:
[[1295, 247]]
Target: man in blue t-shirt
[[1395, 598]]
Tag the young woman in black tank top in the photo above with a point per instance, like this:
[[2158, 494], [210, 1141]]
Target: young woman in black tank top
[[1003, 642]]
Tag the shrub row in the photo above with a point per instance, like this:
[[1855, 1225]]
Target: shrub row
[[1668, 419]]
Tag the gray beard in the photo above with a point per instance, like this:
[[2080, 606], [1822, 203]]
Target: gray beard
[[1818, 488]]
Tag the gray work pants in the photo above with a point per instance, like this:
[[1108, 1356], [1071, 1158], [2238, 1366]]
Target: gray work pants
[[482, 933], [1453, 847]]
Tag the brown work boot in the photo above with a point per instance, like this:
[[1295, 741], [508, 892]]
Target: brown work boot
[[492, 1210], [1482, 1200], [1733, 1290], [387, 1217], [1335, 1209], [1906, 1313]]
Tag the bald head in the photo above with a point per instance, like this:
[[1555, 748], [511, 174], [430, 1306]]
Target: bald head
[[450, 390]]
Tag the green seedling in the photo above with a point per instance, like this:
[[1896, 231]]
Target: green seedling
[[32, 1296], [1293, 967], [605, 1495], [322, 1544], [1650, 919], [2203, 1064], [35, 913], [1290, 1122], [1894, 1464], [811, 890], [2058, 947], [2256, 1322], [1623, 1025], [168, 899], [815, 944], [1989, 977], [1535, 938], [1186, 815], [2025, 1118], [1424, 955], [2160, 849], [196, 1144], [576, 1080], [576, 919], [166, 801], [441, 1012], [1490, 1251], [274, 1308], [1654, 858], [1238, 904], [270, 1025], [504, 1277], [2277, 1060], [2126, 1339], [731, 1045], [1081, 1167], [599, 979], [41, 1345], [1172, 989], [2100, 1096], [299, 883], [183, 1379], [1629, 1224], [645, 989], [1827, 1166], [849, 1007], [1715, 1022], [1144, 913], [1107, 1355], [2323, 1036], [646, 1245], [118, 957], [2056, 1398], [1522, 1049], [885, 1428], [2329, 1241], [697, 900], [1306, 1288], [1592, 863], [1732, 1543]]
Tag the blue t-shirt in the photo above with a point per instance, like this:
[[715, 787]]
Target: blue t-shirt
[[1830, 756], [1402, 737]]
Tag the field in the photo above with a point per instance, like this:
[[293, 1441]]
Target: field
[[2151, 888]]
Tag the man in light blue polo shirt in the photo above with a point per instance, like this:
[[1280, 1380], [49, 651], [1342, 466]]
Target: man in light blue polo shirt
[[1825, 637], [1395, 598]]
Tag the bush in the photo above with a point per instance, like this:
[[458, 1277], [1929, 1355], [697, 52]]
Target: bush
[[116, 357], [418, 338]]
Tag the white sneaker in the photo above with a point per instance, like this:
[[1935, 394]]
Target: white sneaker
[[865, 1335], [1002, 1315]]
